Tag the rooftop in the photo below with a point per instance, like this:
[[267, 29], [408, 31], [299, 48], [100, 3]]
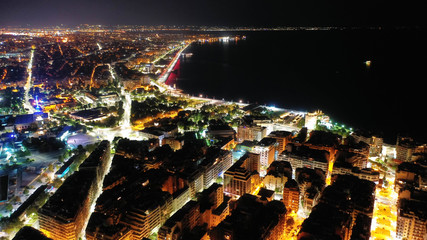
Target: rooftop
[[307, 152], [89, 114], [102, 225], [29, 118], [29, 233], [266, 142], [65, 204]]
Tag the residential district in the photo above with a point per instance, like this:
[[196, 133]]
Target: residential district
[[96, 143]]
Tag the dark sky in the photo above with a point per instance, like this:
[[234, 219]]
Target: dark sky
[[214, 12]]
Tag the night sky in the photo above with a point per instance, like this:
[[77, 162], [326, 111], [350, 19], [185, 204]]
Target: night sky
[[267, 13]]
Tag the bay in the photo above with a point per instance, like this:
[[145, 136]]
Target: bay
[[327, 70]]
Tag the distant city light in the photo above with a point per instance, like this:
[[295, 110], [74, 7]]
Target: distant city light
[[122, 90]]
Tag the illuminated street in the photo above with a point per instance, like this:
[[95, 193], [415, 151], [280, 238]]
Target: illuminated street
[[27, 105], [168, 70], [294, 226], [385, 213]]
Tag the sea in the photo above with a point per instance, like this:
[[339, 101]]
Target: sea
[[374, 80]]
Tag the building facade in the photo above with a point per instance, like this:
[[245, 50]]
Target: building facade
[[266, 148], [291, 196]]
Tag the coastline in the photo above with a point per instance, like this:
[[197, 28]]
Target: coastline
[[164, 76], [305, 76], [180, 92]]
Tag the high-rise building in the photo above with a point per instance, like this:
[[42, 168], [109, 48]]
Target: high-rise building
[[180, 198], [411, 220], [253, 218], [148, 212], [214, 195], [65, 214], [213, 205], [196, 218], [291, 195], [300, 156], [409, 173], [251, 133], [326, 222], [354, 159], [412, 202], [266, 148], [252, 161], [375, 143], [183, 220], [99, 161], [194, 178], [282, 138], [405, 147], [346, 205], [275, 182], [173, 184], [376, 146], [214, 165], [238, 180], [277, 175]]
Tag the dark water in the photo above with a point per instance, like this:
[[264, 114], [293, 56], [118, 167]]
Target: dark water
[[309, 70]]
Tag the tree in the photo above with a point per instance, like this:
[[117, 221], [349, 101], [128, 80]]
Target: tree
[[80, 148], [24, 153], [50, 168], [219, 180], [66, 155], [57, 183], [13, 226], [32, 209], [8, 207]]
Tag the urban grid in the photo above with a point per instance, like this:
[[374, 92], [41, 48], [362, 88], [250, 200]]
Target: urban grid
[[98, 143]]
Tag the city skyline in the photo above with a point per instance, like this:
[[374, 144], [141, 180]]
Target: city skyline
[[212, 120], [212, 13]]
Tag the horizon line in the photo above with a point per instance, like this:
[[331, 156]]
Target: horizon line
[[208, 28]]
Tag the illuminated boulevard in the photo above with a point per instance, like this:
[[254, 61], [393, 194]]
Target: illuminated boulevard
[[29, 83]]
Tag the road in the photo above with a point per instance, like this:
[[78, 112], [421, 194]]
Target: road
[[164, 76], [124, 129], [29, 84], [385, 207], [385, 213], [291, 231]]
